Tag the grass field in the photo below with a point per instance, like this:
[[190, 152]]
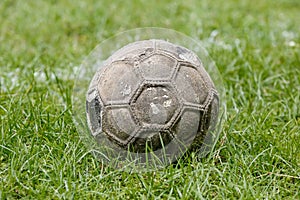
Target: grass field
[[256, 46]]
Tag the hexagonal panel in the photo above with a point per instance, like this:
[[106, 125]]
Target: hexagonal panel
[[179, 52], [119, 124], [157, 67], [133, 51], [187, 126], [213, 111], [191, 85], [93, 110], [118, 83], [156, 105], [150, 140]]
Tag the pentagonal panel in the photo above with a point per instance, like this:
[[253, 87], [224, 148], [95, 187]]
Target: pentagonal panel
[[156, 105], [190, 85], [119, 124], [157, 67], [118, 83]]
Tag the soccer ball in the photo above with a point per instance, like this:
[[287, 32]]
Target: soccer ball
[[152, 95]]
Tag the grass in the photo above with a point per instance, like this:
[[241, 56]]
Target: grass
[[256, 47]]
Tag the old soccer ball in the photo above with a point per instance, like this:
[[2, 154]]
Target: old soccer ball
[[152, 94]]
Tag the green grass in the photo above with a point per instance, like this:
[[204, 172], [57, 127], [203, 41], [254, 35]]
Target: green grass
[[256, 47]]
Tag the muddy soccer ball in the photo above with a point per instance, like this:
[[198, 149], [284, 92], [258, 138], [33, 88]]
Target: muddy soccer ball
[[150, 95]]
